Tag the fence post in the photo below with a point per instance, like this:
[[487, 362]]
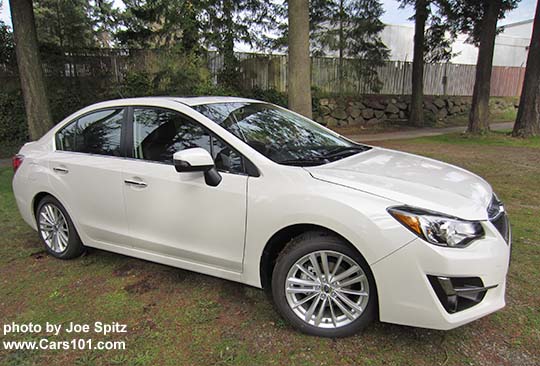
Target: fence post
[[404, 64], [445, 79]]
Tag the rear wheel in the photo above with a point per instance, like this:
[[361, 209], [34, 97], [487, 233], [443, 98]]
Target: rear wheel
[[56, 230], [323, 287]]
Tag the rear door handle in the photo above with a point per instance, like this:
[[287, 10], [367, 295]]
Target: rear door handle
[[59, 169], [136, 183]]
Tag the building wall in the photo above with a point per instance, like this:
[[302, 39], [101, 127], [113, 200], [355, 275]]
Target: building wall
[[520, 29], [400, 40], [511, 46]]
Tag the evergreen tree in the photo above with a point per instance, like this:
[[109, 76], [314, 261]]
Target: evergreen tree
[[213, 24], [479, 20], [105, 19], [36, 104], [352, 28], [160, 24], [227, 22], [68, 24], [528, 117], [299, 80], [433, 44], [421, 13], [7, 47]]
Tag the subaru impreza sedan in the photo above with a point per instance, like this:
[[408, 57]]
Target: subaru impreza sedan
[[339, 233]]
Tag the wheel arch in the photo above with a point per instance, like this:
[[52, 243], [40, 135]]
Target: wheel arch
[[37, 199], [279, 240], [42, 194]]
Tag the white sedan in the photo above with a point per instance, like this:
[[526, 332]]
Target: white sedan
[[338, 232]]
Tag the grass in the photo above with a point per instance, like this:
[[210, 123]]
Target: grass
[[175, 317], [496, 138]]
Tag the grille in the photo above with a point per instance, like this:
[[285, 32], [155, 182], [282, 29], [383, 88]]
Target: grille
[[498, 218]]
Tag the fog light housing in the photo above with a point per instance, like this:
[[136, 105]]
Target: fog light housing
[[458, 293]]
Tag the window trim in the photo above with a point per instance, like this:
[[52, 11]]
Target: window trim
[[249, 168], [123, 128]]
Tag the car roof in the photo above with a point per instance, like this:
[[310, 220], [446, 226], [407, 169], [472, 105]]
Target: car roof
[[192, 101], [189, 100]]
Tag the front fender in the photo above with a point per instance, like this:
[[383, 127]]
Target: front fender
[[359, 217]]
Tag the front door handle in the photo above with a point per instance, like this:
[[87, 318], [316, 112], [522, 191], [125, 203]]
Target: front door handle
[[136, 183], [60, 169]]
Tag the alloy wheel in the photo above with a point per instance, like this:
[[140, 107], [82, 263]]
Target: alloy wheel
[[53, 228], [327, 289]]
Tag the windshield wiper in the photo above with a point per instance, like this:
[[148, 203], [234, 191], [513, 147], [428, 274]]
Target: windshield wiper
[[335, 153], [345, 151], [304, 162]]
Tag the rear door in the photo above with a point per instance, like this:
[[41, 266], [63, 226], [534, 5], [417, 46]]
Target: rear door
[[87, 174], [178, 214]]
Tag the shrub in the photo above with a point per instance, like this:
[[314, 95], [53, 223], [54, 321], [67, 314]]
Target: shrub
[[12, 122]]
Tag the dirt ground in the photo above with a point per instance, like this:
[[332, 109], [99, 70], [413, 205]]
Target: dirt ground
[[176, 317]]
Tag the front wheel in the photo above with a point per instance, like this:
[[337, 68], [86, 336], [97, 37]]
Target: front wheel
[[323, 287]]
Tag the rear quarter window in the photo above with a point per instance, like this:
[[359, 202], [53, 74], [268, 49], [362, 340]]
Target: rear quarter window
[[95, 133]]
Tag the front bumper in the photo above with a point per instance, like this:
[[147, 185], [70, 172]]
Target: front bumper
[[407, 297]]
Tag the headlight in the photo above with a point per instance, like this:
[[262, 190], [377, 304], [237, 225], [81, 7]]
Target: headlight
[[437, 228]]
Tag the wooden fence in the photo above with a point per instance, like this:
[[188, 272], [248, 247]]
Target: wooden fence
[[270, 72]]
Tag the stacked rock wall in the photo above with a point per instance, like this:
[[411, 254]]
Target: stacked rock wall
[[371, 110]]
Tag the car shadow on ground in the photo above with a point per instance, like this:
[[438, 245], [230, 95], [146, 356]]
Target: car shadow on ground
[[146, 276]]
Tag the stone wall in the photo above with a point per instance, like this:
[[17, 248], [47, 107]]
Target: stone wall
[[371, 110]]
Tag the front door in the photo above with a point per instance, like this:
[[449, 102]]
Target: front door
[[178, 214]]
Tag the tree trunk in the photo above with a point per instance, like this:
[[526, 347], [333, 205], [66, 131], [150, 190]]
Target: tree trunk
[[30, 71], [479, 115], [528, 117], [341, 48], [229, 75], [299, 88], [416, 115]]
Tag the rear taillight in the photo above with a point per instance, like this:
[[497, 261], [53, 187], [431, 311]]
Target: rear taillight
[[16, 161]]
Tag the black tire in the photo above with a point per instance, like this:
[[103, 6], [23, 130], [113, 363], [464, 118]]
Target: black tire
[[298, 248], [74, 246]]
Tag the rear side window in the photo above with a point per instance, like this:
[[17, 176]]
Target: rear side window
[[95, 133], [159, 133]]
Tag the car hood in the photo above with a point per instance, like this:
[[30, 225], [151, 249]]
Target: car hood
[[411, 180]]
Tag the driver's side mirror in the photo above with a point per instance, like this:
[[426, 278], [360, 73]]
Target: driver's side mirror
[[197, 160]]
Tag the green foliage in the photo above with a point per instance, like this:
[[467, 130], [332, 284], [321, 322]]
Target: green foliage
[[188, 26], [160, 23], [352, 29], [169, 73], [67, 96], [466, 15], [439, 38], [269, 95], [7, 47], [68, 24], [12, 122], [439, 34], [348, 28], [226, 22]]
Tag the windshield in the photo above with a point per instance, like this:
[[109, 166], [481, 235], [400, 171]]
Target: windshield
[[278, 134]]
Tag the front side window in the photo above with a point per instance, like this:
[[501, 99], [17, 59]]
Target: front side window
[[159, 133], [95, 133], [280, 135]]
